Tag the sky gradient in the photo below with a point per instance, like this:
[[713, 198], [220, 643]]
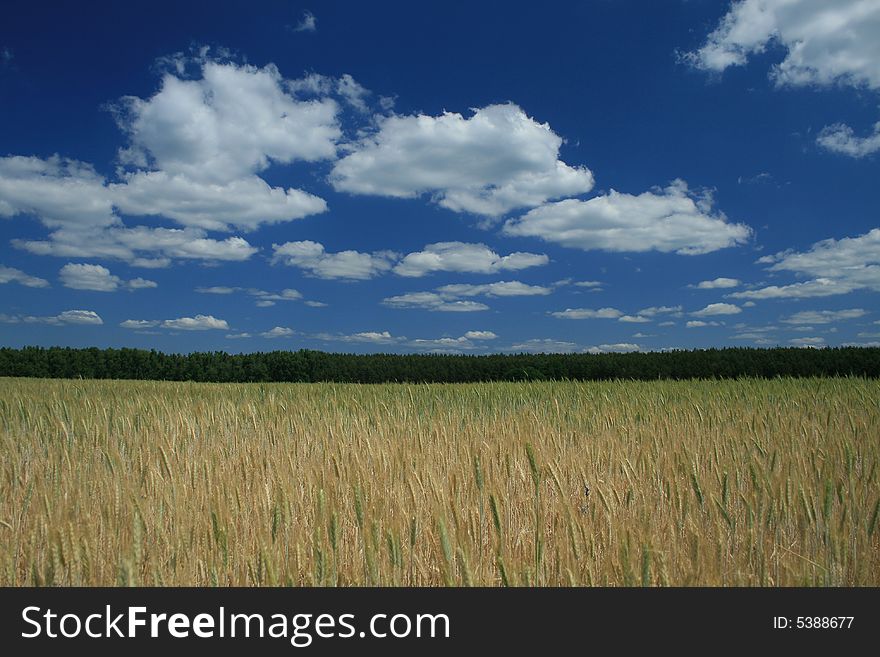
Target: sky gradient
[[596, 176]]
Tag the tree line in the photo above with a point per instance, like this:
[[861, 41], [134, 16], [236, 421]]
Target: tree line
[[317, 366]]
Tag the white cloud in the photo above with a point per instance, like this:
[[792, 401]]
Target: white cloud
[[668, 220], [67, 317], [619, 347], [98, 278], [80, 317], [546, 345], [835, 267], [196, 146], [480, 335], [264, 298], [841, 138], [379, 337], [463, 257], [308, 23], [718, 283], [347, 265], [588, 313], [697, 323], [442, 344], [60, 192], [197, 323], [136, 324], [433, 301], [238, 336], [88, 277], [13, 275], [316, 304], [653, 311], [824, 316], [593, 285], [634, 319], [826, 42], [231, 123], [718, 309], [808, 342], [277, 332], [498, 289], [495, 161], [141, 284], [246, 203]]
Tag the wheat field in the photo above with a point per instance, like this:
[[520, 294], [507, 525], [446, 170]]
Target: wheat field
[[718, 483]]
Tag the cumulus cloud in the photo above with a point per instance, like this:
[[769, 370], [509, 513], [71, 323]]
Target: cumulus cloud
[[653, 311], [140, 246], [546, 345], [195, 149], [433, 301], [717, 283], [588, 313], [634, 319], [717, 309], [13, 275], [138, 324], [698, 323], [824, 316], [496, 160], [98, 278], [277, 332], [233, 121], [62, 193], [83, 317], [808, 342], [347, 265], [264, 298], [668, 220], [449, 298], [499, 289], [840, 138], [825, 43], [197, 323], [246, 203], [480, 335], [464, 257], [618, 347], [834, 267]]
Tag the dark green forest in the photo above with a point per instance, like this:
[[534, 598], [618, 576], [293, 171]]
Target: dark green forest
[[316, 366]]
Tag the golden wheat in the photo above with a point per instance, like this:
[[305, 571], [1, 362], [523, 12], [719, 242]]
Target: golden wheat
[[690, 483]]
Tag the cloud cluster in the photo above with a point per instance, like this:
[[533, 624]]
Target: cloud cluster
[[488, 164], [346, 265], [823, 316], [195, 150], [825, 43], [98, 278], [87, 317], [833, 267], [451, 298], [264, 298], [459, 257], [197, 323], [643, 316], [672, 220], [464, 257]]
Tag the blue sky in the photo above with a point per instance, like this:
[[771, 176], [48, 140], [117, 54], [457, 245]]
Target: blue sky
[[405, 177]]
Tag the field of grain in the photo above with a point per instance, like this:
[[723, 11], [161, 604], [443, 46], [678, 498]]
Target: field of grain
[[690, 483]]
